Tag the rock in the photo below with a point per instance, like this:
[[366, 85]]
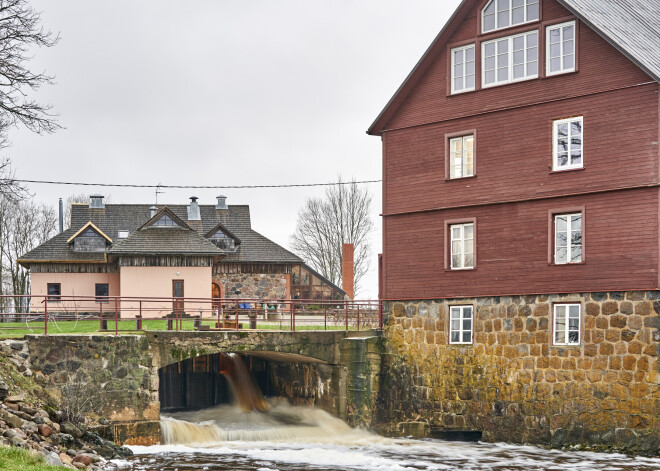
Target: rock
[[28, 410], [18, 346], [106, 451], [4, 390], [16, 398], [13, 421], [72, 453], [38, 420], [62, 439], [66, 459], [13, 407], [43, 413], [56, 427], [52, 459], [68, 427], [28, 373], [94, 439], [79, 465], [45, 430], [84, 459], [29, 427], [17, 442]]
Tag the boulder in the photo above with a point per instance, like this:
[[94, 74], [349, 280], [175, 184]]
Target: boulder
[[17, 442], [68, 427], [56, 427], [16, 398], [4, 390], [29, 427], [66, 459], [83, 458], [45, 430], [52, 459], [79, 465], [13, 407], [28, 410], [13, 421]]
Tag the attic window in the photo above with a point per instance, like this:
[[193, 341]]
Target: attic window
[[89, 241], [165, 221], [223, 241], [500, 14], [123, 234]]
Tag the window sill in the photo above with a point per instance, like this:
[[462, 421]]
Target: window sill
[[458, 344], [565, 264], [460, 178], [576, 169], [460, 269]]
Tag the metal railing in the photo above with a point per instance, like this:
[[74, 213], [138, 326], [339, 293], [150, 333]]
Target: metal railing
[[115, 314]]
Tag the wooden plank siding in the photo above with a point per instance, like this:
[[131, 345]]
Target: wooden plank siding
[[621, 249], [515, 188], [601, 68]]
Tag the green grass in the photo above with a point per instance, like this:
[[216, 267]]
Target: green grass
[[17, 459], [19, 329]]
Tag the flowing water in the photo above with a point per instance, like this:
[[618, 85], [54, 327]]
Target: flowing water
[[259, 435]]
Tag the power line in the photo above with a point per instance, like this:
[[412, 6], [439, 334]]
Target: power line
[[192, 187]]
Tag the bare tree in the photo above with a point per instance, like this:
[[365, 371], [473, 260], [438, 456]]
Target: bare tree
[[20, 32], [77, 198], [24, 226], [324, 224]]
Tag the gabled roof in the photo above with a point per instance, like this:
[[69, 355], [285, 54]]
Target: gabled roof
[[631, 26], [156, 217], [94, 228], [165, 241], [254, 247], [221, 227]]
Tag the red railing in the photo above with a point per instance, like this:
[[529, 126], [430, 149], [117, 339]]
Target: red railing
[[87, 314]]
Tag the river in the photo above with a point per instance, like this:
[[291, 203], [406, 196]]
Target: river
[[288, 438]]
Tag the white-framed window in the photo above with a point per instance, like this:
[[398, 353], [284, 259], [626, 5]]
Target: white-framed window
[[510, 59], [462, 246], [560, 44], [566, 324], [463, 69], [123, 234], [461, 156], [460, 324], [567, 142], [499, 14], [568, 238]]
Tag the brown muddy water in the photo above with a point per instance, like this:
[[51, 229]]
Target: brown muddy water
[[288, 438]]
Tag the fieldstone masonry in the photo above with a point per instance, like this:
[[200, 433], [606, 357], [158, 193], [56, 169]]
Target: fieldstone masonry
[[513, 384], [257, 286]]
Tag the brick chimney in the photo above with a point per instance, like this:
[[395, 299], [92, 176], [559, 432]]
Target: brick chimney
[[347, 272]]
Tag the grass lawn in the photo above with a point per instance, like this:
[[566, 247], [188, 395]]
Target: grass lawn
[[17, 459], [19, 329]]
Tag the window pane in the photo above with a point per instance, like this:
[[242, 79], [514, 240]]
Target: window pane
[[533, 39], [467, 324], [469, 54], [456, 232], [456, 261], [576, 222], [519, 57], [469, 68], [455, 337], [573, 323], [573, 337], [576, 128], [503, 19], [519, 43], [469, 261], [490, 49], [569, 32], [469, 81], [561, 239], [502, 75], [489, 22], [576, 254], [576, 158], [574, 311], [533, 12], [555, 36], [503, 46], [562, 130], [532, 68], [559, 336], [560, 222], [455, 324], [518, 16], [517, 3], [455, 312], [469, 231], [518, 71], [458, 57], [490, 77], [467, 313], [490, 63], [569, 62], [532, 53], [555, 50], [467, 337], [561, 255]]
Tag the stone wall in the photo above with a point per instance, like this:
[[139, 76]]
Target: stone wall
[[114, 375], [255, 285], [513, 384]]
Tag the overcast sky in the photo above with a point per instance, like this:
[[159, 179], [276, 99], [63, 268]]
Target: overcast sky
[[213, 92]]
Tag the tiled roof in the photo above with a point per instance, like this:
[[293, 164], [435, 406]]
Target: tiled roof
[[632, 26], [166, 241], [113, 218]]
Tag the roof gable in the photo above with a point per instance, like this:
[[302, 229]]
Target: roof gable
[[89, 226], [612, 20], [165, 218], [213, 233]]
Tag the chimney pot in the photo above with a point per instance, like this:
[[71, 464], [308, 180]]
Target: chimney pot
[[96, 201], [153, 210], [222, 202], [193, 210]]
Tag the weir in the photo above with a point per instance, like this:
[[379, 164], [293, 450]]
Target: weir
[[133, 378]]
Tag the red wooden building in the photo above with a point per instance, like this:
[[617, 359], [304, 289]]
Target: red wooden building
[[521, 162]]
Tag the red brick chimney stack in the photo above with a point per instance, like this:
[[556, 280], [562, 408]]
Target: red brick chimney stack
[[347, 273]]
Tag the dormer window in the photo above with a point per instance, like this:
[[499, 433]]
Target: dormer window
[[89, 241], [500, 14], [165, 221], [223, 238]]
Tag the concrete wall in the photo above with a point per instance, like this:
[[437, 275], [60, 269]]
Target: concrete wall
[[513, 384], [72, 284], [144, 282]]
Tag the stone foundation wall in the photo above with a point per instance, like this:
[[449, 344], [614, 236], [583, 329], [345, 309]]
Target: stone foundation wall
[[115, 375], [513, 384], [264, 286]]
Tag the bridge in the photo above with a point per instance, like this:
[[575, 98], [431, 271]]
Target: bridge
[[121, 375]]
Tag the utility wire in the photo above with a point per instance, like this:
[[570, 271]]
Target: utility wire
[[199, 187]]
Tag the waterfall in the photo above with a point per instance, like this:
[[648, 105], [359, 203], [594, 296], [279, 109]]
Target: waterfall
[[246, 392]]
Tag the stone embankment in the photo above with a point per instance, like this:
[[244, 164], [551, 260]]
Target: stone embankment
[[30, 419]]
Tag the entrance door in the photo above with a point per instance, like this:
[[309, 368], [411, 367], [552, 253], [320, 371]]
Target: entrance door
[[216, 294], [177, 294]]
